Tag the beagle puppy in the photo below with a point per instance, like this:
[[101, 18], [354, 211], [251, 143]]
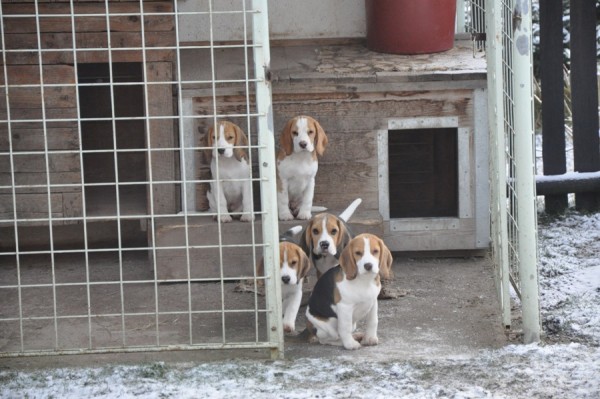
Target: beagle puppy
[[294, 266], [348, 293], [301, 141], [325, 236], [230, 190]]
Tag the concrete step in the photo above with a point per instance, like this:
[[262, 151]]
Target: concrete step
[[232, 243]]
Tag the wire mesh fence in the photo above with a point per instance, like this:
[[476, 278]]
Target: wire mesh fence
[[513, 191], [102, 245]]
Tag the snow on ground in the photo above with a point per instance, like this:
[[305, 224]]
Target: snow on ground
[[566, 365], [569, 269]]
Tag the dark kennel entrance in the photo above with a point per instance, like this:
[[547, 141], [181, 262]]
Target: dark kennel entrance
[[423, 172], [114, 150]]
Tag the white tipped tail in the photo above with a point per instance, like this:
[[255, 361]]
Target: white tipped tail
[[347, 214], [294, 230], [291, 233]]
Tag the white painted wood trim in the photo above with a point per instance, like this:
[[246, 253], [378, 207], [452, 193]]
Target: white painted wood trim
[[465, 183], [482, 169], [188, 168], [383, 173]]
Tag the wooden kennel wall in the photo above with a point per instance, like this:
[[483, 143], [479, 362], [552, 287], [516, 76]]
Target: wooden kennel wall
[[53, 117], [363, 99]]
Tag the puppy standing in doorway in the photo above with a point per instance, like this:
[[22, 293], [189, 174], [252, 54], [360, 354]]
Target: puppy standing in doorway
[[302, 141], [230, 191]]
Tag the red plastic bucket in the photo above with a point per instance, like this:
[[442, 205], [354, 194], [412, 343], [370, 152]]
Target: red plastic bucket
[[410, 26]]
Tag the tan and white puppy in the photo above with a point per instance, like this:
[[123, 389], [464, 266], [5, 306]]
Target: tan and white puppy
[[301, 142], [294, 266], [325, 236], [348, 293], [230, 190]]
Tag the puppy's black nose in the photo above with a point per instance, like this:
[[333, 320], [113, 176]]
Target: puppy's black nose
[[285, 279], [368, 266], [221, 151], [303, 144], [324, 244]]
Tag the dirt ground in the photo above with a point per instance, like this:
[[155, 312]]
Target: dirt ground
[[448, 307]]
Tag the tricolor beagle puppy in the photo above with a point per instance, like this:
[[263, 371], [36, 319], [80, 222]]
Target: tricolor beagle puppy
[[301, 141], [230, 191], [325, 236], [348, 293], [294, 266]]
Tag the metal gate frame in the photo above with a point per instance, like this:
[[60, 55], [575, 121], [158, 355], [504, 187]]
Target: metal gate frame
[[261, 92], [512, 157]]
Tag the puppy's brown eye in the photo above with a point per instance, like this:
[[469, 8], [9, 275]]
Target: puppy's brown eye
[[230, 138], [358, 253], [293, 263], [375, 251], [294, 133], [334, 232], [311, 132]]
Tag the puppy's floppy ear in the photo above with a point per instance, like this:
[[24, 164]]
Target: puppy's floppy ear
[[343, 237], [306, 242], [321, 139], [385, 261], [304, 266], [348, 263], [285, 139], [209, 139], [241, 141]]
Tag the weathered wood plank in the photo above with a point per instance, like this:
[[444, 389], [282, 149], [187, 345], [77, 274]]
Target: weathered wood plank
[[30, 74], [67, 56], [30, 205], [28, 138], [76, 177], [24, 114], [35, 206], [72, 204], [37, 163], [162, 135], [12, 7], [53, 97], [130, 23], [462, 237], [83, 40]]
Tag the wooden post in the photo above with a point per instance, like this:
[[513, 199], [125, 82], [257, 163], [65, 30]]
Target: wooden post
[[553, 111], [584, 96]]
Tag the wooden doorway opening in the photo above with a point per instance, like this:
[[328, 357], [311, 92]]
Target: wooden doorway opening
[[113, 138]]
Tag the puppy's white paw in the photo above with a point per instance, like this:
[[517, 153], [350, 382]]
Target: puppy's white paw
[[370, 341], [248, 217], [358, 336], [225, 219], [352, 345], [288, 328], [286, 216], [304, 215]]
